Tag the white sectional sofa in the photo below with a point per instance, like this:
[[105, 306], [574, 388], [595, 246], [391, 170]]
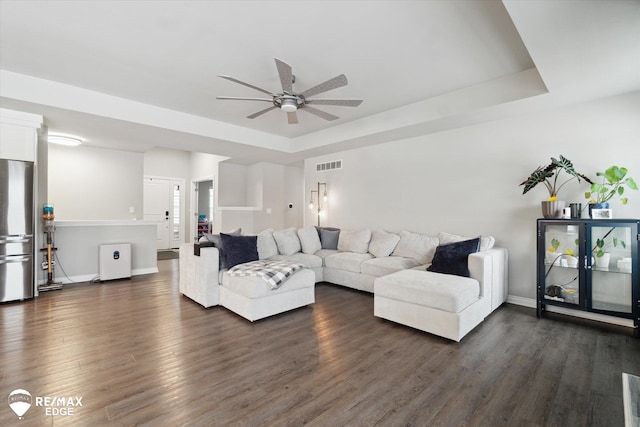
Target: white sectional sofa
[[361, 257]]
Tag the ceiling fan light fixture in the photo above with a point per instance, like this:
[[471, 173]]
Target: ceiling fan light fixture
[[289, 105], [290, 101]]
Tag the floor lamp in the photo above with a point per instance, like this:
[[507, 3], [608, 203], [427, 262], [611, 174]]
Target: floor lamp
[[324, 199]]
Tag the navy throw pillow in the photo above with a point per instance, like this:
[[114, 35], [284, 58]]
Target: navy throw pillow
[[453, 257], [239, 249], [216, 240]]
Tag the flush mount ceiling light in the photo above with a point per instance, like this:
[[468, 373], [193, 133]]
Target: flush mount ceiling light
[[62, 139]]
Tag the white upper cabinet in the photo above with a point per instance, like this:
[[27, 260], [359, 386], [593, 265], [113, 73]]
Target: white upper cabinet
[[19, 135]]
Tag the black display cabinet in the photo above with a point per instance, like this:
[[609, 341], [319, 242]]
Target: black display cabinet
[[590, 265]]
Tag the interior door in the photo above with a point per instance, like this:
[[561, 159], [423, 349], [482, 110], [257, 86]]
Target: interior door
[[157, 208], [163, 204]]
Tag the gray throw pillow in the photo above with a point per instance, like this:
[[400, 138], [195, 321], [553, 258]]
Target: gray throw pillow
[[329, 238]]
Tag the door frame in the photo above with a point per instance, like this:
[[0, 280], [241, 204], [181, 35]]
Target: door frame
[[193, 220], [183, 222]]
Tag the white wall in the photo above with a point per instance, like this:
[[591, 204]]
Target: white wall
[[203, 167], [466, 181], [79, 243], [281, 185], [232, 184], [88, 183], [164, 162], [269, 189], [294, 195]]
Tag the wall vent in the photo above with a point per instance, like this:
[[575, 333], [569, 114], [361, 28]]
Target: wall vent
[[327, 166]]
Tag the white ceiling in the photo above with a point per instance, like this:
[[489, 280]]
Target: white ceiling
[[137, 74]]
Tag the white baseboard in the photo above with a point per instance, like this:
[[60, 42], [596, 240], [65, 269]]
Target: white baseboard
[[531, 303], [525, 302], [140, 271], [96, 276]]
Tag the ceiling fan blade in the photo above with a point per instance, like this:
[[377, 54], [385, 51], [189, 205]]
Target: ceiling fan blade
[[239, 98], [286, 75], [334, 83], [292, 118], [341, 102], [321, 114], [247, 85], [261, 112]]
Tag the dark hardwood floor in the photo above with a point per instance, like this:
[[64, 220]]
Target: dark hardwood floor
[[139, 353]]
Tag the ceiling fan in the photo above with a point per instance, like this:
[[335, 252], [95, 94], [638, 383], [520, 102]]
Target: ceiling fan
[[290, 101]]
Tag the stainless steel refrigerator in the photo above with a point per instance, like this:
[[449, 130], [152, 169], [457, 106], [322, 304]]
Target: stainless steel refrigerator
[[16, 230]]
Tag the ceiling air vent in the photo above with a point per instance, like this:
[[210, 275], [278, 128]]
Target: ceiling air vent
[[327, 166]]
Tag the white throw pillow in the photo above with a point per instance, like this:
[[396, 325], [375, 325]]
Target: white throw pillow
[[287, 241], [354, 241], [266, 244], [382, 243], [486, 242], [417, 246], [309, 239]]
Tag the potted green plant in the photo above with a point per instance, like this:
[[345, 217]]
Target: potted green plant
[[555, 256], [601, 248], [613, 182], [549, 176]]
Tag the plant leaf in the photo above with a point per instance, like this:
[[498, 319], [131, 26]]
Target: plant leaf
[[631, 183], [537, 176], [585, 178], [565, 164], [615, 174]]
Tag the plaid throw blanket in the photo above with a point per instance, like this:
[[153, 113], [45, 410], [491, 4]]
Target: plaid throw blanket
[[275, 273]]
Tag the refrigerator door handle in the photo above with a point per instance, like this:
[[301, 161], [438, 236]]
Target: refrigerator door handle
[[22, 238], [15, 258]]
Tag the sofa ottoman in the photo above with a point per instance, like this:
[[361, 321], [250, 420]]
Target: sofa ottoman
[[252, 298], [442, 304]]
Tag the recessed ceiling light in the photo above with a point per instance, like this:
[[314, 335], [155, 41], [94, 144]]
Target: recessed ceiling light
[[62, 139]]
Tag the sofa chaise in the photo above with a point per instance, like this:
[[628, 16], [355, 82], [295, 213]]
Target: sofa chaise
[[415, 279]]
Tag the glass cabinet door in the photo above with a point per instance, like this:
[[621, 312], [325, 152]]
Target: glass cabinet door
[[610, 248], [561, 261]]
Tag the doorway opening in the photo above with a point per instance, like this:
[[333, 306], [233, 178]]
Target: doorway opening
[[203, 208]]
